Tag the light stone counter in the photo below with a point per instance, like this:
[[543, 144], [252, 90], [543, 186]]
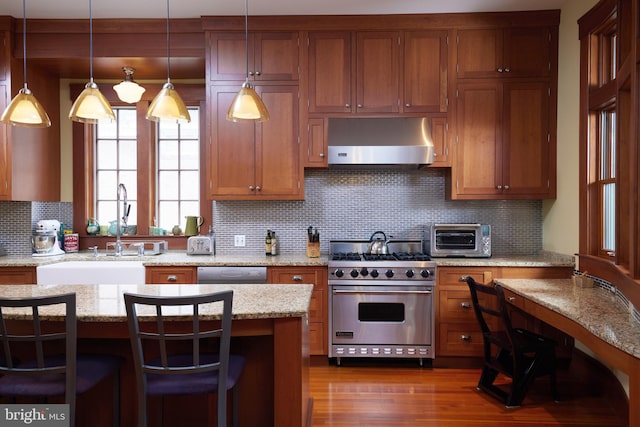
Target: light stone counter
[[105, 303], [180, 258], [597, 310]]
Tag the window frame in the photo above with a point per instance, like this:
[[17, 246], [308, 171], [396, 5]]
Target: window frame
[[83, 155]]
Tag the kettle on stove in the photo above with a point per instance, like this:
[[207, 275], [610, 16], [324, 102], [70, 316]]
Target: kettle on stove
[[378, 246]]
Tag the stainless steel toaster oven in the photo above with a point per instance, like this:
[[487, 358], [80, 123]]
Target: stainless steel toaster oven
[[458, 240]]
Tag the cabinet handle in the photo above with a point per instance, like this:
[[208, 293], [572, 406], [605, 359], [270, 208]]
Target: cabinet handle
[[407, 105], [359, 105], [251, 188], [500, 70], [507, 70], [347, 105], [506, 187], [499, 187], [251, 73], [258, 188], [172, 278], [321, 154], [465, 337], [465, 305], [511, 299], [297, 278]]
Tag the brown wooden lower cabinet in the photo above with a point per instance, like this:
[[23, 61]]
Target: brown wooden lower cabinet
[[170, 275], [457, 330], [318, 311], [18, 276]]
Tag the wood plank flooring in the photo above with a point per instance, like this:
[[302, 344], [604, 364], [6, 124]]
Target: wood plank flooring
[[401, 394]]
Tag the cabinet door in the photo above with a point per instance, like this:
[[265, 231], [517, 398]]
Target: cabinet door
[[170, 275], [377, 83], [231, 166], [526, 139], [227, 57], [425, 72], [5, 161], [18, 276], [527, 52], [275, 56], [479, 53], [278, 170], [478, 166], [440, 139], [316, 144], [330, 72]]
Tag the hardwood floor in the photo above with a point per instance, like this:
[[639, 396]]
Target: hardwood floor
[[376, 394]]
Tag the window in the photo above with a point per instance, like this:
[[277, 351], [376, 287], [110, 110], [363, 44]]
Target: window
[[606, 181], [177, 172]]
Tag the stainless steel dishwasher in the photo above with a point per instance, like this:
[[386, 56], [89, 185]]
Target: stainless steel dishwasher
[[232, 275]]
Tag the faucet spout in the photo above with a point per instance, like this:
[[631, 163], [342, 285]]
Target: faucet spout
[[122, 194]]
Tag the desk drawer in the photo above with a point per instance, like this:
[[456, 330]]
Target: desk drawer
[[459, 339]]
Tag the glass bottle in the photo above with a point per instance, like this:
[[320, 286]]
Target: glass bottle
[[267, 243]]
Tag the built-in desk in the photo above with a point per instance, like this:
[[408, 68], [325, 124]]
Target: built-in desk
[[595, 317], [269, 327]]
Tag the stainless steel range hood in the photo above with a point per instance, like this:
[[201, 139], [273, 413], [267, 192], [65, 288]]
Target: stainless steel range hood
[[392, 142]]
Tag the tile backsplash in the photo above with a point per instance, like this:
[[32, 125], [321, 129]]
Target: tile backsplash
[[341, 203]]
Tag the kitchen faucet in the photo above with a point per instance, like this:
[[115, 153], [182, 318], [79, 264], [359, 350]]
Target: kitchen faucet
[[122, 193]]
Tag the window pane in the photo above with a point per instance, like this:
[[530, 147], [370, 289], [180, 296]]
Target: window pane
[[168, 154], [170, 215], [127, 154], [190, 154], [127, 123], [609, 217], [189, 185], [168, 185], [107, 154]]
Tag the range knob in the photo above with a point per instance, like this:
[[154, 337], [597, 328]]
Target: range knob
[[425, 273], [410, 273], [389, 273], [354, 273], [364, 271], [339, 273], [374, 273]]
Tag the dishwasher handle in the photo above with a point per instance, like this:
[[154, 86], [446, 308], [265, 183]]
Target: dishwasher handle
[[232, 275]]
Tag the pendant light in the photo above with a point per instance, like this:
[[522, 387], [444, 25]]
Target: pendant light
[[167, 105], [247, 104], [128, 90], [24, 109], [91, 105]]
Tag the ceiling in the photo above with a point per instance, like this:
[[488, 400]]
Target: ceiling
[[79, 9]]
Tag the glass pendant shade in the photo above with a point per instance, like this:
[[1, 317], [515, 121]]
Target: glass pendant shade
[[128, 90], [91, 106], [167, 105], [25, 110], [247, 106]]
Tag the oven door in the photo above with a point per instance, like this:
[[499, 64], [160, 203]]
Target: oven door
[[385, 315]]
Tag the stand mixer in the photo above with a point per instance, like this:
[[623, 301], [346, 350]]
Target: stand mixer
[[45, 238]]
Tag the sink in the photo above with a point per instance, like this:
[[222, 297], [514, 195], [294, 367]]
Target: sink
[[91, 273]]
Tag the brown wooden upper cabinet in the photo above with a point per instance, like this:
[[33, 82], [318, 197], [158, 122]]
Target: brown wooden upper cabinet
[[5, 45], [249, 161], [503, 140], [273, 56], [337, 86], [512, 52]]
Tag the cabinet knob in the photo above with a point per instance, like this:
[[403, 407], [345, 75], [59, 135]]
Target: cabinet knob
[[297, 278], [359, 105], [258, 188], [465, 305], [499, 187], [407, 105], [321, 154], [500, 70], [172, 278], [347, 105], [511, 299], [258, 73], [251, 73], [251, 188], [465, 337], [506, 187], [507, 70]]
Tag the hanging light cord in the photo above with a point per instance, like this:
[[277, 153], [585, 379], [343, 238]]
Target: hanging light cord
[[168, 47], [24, 40], [246, 35], [90, 41]]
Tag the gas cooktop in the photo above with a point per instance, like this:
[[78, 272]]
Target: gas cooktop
[[396, 256]]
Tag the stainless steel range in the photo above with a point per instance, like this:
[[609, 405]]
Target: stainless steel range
[[380, 305]]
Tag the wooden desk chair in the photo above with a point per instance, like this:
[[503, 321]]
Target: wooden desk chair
[[41, 360], [516, 353], [207, 368]]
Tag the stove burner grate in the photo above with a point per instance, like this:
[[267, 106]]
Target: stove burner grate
[[346, 256]]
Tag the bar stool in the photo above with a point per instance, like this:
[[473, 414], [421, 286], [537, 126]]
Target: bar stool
[[49, 364], [208, 368]]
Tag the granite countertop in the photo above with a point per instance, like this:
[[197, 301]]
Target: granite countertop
[[174, 258], [105, 303], [597, 310]]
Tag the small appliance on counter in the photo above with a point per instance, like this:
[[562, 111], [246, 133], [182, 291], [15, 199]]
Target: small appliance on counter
[[199, 245], [458, 240], [45, 238]]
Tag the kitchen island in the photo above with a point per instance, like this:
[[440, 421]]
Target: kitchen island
[[269, 327]]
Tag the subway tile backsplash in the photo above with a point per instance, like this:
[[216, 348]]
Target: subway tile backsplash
[[341, 203]]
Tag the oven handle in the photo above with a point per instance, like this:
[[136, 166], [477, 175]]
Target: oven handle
[[338, 291]]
